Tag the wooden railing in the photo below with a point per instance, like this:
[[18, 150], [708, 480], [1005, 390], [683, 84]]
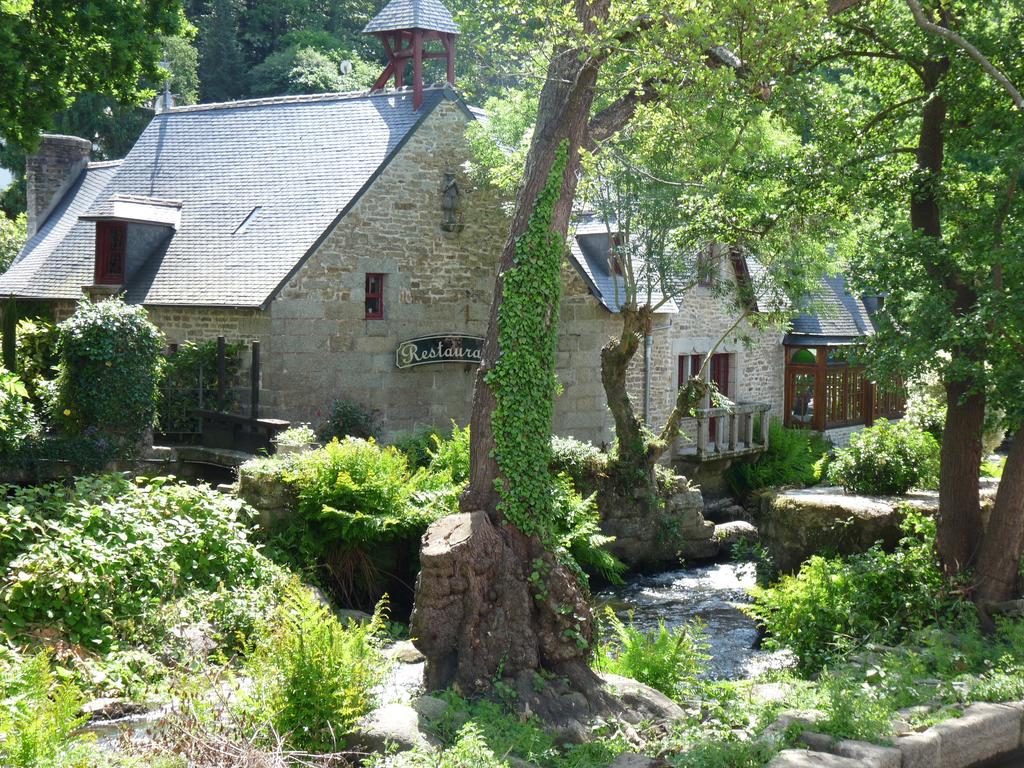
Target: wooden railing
[[738, 430]]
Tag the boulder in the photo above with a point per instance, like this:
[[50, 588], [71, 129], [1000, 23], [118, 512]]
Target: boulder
[[728, 534], [796, 524], [393, 724], [802, 758], [405, 652], [642, 702], [103, 709], [636, 760]]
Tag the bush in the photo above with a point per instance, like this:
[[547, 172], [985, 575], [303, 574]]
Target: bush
[[794, 457], [110, 363], [417, 445], [668, 660], [886, 459], [834, 605], [350, 419], [451, 455], [102, 562], [37, 354], [580, 460], [313, 677], [299, 436], [17, 417]]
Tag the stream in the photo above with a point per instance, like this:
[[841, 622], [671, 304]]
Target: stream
[[710, 594]]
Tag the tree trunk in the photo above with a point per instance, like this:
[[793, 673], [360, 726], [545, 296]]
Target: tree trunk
[[490, 601], [997, 574], [959, 528], [616, 357]]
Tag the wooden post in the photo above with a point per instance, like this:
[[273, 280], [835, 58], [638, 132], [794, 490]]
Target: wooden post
[[417, 68], [10, 326], [819, 389], [222, 374], [254, 402], [449, 49]]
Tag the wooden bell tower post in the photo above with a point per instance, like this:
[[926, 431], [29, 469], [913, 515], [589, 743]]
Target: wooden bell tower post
[[404, 27]]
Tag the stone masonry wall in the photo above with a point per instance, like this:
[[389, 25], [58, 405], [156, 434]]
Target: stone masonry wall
[[50, 172], [436, 282]]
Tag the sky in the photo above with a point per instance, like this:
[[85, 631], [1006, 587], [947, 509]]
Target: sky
[[5, 177]]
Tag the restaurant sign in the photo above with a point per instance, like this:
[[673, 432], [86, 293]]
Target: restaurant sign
[[452, 348]]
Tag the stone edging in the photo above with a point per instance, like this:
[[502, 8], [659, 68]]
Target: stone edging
[[983, 732]]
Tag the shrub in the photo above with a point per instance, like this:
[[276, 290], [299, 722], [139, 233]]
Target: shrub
[[451, 455], [578, 528], [17, 417], [313, 677], [580, 460], [299, 436], [834, 605], [416, 446], [37, 354], [110, 362], [668, 660], [886, 459], [102, 562], [793, 457], [350, 419]]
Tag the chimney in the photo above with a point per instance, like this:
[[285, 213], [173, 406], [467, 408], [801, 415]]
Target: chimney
[[50, 172]]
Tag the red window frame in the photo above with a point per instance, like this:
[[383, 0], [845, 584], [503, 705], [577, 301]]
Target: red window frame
[[374, 296], [111, 252]]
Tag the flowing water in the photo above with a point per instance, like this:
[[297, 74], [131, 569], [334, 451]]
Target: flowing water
[[712, 595]]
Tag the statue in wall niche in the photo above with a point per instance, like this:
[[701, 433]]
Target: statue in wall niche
[[450, 198]]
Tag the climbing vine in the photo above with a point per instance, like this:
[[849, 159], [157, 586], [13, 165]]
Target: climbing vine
[[523, 379]]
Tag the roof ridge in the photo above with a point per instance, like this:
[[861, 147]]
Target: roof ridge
[[305, 98], [103, 163]]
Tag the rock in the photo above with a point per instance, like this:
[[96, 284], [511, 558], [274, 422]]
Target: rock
[[111, 709], [268, 493], [870, 755], [787, 718], [985, 730], [642, 701], [636, 760], [728, 534], [395, 724], [196, 640], [430, 707], [405, 652], [796, 524], [803, 758], [347, 614], [920, 750]]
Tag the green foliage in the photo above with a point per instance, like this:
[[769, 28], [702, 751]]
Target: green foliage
[[110, 362], [307, 69], [39, 716], [926, 410], [794, 457], [350, 419], [417, 446], [580, 460], [186, 371], [669, 660], [886, 459], [12, 238], [523, 379], [357, 492], [37, 355], [313, 677], [105, 47], [451, 455], [834, 605], [17, 417], [577, 528], [102, 561], [299, 436]]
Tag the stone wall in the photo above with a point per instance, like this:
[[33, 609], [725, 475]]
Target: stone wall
[[436, 282]]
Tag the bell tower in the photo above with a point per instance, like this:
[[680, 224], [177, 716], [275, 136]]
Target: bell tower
[[404, 26]]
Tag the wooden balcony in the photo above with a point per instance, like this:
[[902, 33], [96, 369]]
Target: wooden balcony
[[739, 430]]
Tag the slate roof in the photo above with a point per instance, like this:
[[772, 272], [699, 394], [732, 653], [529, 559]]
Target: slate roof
[[302, 160], [835, 317], [413, 14], [588, 252]]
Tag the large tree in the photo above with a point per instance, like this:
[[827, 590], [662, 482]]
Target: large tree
[[926, 122], [492, 598], [53, 50]]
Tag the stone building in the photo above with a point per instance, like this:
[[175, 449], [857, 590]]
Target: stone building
[[342, 233]]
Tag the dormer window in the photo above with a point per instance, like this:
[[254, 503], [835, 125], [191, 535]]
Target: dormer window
[[111, 241]]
